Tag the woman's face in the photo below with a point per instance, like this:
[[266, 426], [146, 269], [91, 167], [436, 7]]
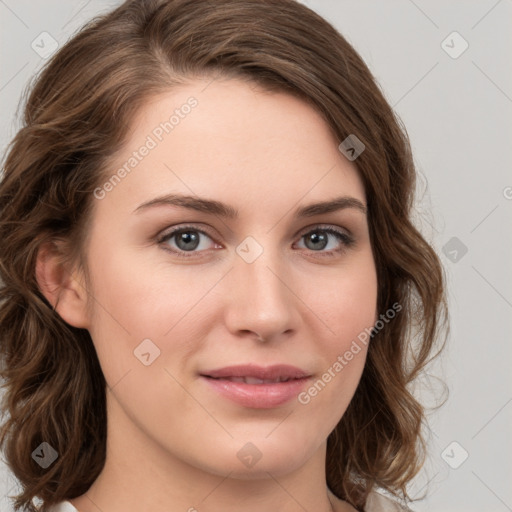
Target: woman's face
[[194, 330]]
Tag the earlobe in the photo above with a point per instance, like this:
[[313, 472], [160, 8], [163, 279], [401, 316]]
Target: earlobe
[[63, 289]]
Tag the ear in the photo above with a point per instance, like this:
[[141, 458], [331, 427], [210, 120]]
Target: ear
[[64, 289]]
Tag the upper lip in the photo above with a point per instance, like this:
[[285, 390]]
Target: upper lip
[[277, 371]]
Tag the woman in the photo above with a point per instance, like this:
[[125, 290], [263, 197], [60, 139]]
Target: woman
[[211, 280]]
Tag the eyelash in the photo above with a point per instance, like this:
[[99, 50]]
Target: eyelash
[[347, 240]]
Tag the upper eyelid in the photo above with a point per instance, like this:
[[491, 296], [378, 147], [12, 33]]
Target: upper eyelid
[[168, 232], [320, 225]]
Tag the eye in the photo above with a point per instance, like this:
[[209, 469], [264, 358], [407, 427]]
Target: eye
[[321, 238], [187, 240]]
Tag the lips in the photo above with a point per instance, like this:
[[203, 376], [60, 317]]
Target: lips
[[255, 386], [275, 373], [255, 380]]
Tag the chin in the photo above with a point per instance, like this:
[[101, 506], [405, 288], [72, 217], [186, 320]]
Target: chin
[[257, 456]]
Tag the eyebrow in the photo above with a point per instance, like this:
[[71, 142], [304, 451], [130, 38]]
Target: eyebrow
[[226, 211]]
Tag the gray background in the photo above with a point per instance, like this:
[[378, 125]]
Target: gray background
[[458, 115]]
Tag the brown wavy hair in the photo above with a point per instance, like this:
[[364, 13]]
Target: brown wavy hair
[[76, 116]]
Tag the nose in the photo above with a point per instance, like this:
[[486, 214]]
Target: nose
[[261, 304]]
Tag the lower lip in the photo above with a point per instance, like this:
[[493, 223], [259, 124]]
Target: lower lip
[[258, 396]]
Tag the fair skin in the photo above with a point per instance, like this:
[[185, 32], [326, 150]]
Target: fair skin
[[173, 439]]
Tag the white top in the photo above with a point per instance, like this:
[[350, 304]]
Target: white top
[[63, 506], [376, 503]]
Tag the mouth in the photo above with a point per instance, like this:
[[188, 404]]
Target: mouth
[[252, 380], [255, 386], [274, 373]]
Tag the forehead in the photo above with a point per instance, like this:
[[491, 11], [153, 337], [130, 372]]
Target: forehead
[[234, 141]]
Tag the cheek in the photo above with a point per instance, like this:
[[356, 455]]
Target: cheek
[[347, 307], [348, 303], [145, 297], [135, 301], [349, 311]]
